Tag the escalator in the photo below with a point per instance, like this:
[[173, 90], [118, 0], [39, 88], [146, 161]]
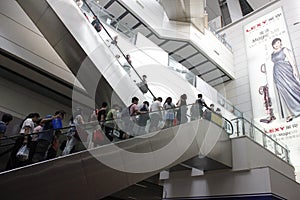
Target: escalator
[[83, 51], [101, 171], [98, 172]]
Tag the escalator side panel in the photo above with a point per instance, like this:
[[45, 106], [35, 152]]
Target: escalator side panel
[[104, 170]]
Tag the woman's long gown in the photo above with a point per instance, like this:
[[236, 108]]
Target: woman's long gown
[[288, 87]]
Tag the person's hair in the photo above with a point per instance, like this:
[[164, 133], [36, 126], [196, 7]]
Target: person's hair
[[276, 40], [168, 100], [6, 117], [104, 104], [62, 112], [159, 99], [199, 95], [31, 115], [146, 102], [183, 96], [134, 99]]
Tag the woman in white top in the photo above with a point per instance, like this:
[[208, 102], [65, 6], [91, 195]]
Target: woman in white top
[[26, 129]]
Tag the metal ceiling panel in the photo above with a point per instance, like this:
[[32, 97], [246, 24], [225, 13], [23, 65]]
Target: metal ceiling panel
[[197, 59], [103, 2], [172, 45], [142, 29], [186, 51], [156, 40], [212, 75], [219, 81], [116, 9], [176, 57], [129, 20], [187, 64], [207, 66]]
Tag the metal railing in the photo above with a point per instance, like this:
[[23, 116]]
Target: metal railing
[[245, 127]]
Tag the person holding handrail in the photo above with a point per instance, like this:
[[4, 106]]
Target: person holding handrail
[[169, 112], [47, 137], [155, 115], [26, 129], [182, 110]]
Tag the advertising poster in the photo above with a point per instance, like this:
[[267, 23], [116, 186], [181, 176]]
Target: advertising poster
[[274, 80]]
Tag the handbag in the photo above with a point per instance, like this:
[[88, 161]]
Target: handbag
[[23, 153]]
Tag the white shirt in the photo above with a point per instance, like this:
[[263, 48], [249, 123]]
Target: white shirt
[[168, 107], [155, 106], [27, 123]]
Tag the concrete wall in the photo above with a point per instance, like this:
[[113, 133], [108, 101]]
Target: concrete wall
[[228, 184], [248, 154]]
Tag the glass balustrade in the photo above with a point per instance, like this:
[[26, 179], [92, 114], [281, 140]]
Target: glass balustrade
[[244, 127]]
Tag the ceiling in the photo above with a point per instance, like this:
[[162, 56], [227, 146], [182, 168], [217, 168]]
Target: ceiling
[[183, 52]]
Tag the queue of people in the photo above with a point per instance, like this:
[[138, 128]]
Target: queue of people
[[145, 118], [41, 136]]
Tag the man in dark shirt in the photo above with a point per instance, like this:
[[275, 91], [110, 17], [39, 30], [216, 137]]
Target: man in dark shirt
[[96, 24]]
